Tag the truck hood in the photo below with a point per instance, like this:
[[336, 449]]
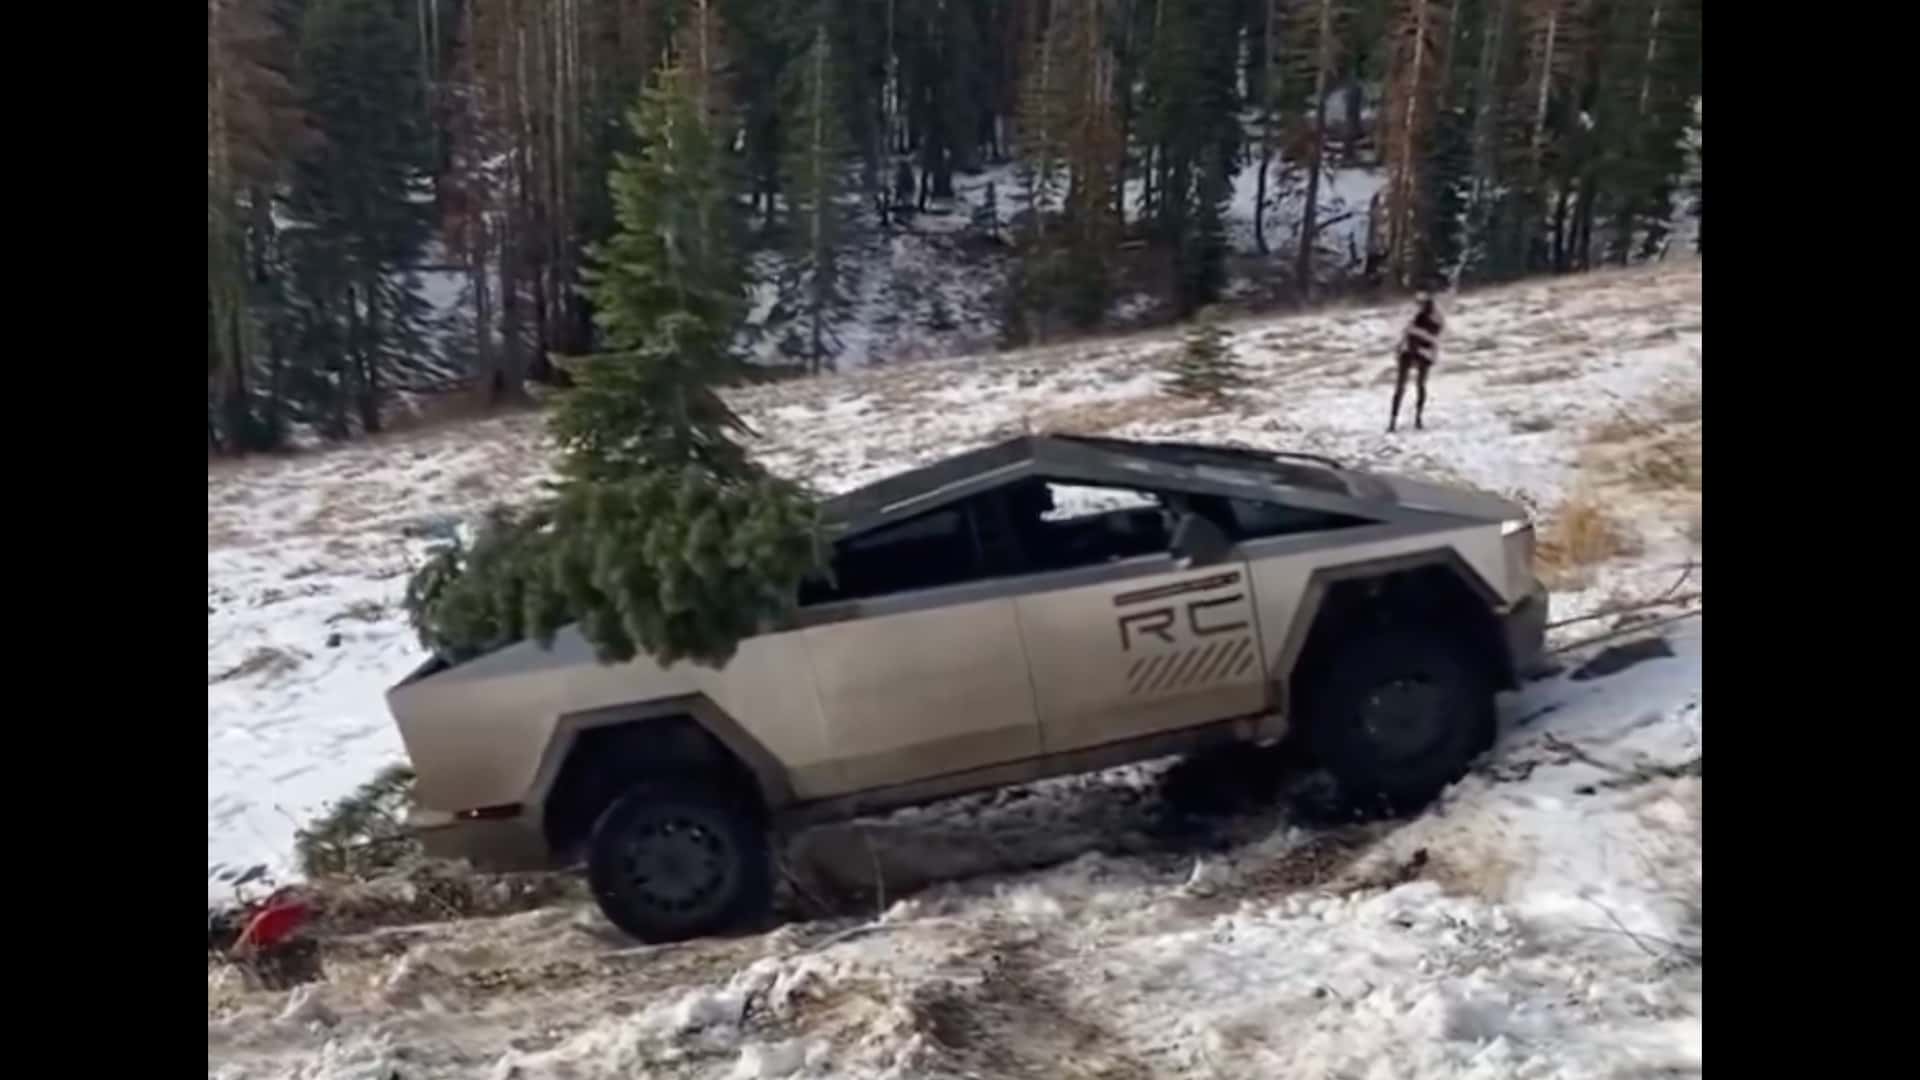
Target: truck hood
[[1420, 495]]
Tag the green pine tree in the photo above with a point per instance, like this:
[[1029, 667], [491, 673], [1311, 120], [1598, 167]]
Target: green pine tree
[[986, 214], [357, 225], [669, 292], [254, 126], [816, 155], [1204, 367], [661, 536], [1190, 123], [1200, 258], [471, 598], [681, 562]]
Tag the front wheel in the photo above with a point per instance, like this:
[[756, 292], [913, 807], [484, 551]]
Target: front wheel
[[1397, 716], [670, 861]]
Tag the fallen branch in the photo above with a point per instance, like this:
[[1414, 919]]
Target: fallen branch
[[1570, 750], [793, 881], [864, 929], [1686, 571], [1626, 776], [1627, 609], [1334, 220], [1620, 632], [1666, 597], [1690, 955]]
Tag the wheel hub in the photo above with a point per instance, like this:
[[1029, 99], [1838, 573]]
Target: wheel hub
[[676, 864], [1402, 718]]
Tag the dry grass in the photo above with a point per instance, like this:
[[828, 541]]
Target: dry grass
[[1671, 464], [474, 481], [1533, 376], [1681, 406], [1621, 427], [1480, 870], [1100, 417], [1579, 534], [1671, 816], [263, 660], [1676, 407], [371, 611]]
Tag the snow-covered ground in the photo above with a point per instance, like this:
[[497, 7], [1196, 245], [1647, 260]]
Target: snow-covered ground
[[1544, 920], [1548, 924], [307, 556]]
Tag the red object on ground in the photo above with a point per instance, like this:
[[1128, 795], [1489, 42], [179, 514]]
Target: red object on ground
[[275, 920]]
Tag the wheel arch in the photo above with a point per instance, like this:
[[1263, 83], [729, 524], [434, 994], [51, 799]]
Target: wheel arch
[[1340, 598], [595, 753]]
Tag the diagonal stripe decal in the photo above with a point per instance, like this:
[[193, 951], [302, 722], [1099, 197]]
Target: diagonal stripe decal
[[1189, 668]]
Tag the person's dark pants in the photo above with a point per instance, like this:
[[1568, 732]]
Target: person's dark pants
[[1421, 367]]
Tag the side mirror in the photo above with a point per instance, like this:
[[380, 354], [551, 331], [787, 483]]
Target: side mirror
[[1197, 541]]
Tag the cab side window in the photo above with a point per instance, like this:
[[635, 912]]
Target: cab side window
[[924, 552], [1252, 519]]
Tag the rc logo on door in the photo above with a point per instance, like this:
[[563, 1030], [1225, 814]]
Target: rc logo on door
[[1184, 643]]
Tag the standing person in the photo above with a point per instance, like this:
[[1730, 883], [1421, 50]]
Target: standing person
[[1419, 348]]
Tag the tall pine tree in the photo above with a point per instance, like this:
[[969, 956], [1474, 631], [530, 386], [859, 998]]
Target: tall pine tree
[[668, 288], [1191, 128], [254, 127], [815, 156], [662, 536], [358, 209]]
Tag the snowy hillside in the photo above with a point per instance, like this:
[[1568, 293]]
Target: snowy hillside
[[1542, 921], [307, 556]]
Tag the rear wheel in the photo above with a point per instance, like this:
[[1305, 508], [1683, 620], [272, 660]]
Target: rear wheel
[[671, 860], [1398, 715]]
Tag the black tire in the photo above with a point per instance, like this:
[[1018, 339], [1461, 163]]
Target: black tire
[[672, 860], [1398, 715]]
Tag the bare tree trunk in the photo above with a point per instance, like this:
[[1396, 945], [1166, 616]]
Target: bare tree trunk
[[1267, 89], [352, 368], [1483, 127], [512, 351], [1583, 223], [1630, 206], [1354, 98], [1316, 152], [370, 385], [816, 241], [1560, 226], [1405, 180], [1539, 141], [1147, 166], [1125, 90], [493, 383]]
